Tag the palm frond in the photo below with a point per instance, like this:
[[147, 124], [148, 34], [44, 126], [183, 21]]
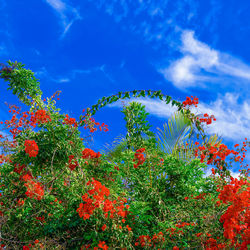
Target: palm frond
[[178, 128], [175, 132]]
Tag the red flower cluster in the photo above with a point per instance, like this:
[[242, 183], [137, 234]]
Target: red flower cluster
[[40, 117], [14, 123], [188, 101], [70, 121], [42, 219], [90, 154], [200, 196], [145, 241], [34, 190], [18, 169], [31, 148], [208, 120], [178, 231], [139, 157], [101, 245], [90, 123], [241, 158], [211, 244], [183, 224], [72, 162], [20, 202], [237, 217], [87, 209], [213, 151]]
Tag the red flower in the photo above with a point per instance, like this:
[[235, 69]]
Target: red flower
[[72, 163], [90, 154], [31, 148], [129, 228], [104, 227], [41, 116]]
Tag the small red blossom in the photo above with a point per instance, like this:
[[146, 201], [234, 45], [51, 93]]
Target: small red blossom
[[104, 227]]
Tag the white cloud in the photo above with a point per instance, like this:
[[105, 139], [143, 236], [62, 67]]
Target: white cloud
[[67, 14], [62, 80], [58, 5], [201, 64], [231, 123], [208, 172]]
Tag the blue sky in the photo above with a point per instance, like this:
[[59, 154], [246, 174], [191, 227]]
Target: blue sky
[[89, 49]]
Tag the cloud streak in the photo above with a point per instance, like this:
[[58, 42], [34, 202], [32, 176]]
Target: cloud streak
[[201, 64], [43, 73], [66, 13]]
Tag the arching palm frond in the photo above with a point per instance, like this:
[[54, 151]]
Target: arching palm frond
[[179, 128]]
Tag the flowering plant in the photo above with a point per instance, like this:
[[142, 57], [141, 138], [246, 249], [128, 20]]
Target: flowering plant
[[83, 200]]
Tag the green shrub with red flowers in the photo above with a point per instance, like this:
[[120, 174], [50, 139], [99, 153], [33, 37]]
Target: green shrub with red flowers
[[58, 194]]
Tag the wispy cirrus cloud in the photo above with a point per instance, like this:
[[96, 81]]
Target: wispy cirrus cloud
[[153, 20], [43, 73], [102, 68], [67, 14], [200, 64]]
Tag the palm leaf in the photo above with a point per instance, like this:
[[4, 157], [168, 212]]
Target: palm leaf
[[175, 132], [178, 128]]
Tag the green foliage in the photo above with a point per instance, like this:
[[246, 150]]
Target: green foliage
[[137, 126], [155, 190], [22, 83]]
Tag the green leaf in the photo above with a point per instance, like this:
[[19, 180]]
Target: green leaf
[[142, 93], [119, 94], [168, 99], [126, 95], [114, 99], [161, 97]]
